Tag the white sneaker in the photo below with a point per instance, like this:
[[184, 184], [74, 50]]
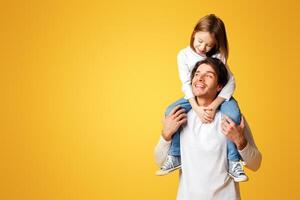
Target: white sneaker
[[171, 164], [236, 171]]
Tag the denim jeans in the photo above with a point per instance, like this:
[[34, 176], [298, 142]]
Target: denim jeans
[[229, 108], [175, 144]]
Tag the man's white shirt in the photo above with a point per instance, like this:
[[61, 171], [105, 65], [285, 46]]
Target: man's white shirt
[[204, 160]]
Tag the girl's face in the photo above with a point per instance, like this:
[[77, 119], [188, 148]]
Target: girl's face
[[203, 42]]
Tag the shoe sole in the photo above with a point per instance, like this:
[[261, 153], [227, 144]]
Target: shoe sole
[[238, 179], [162, 173]]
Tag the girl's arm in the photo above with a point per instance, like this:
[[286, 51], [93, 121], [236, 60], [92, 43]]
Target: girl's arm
[[227, 91], [216, 103], [202, 112], [225, 94], [184, 75]]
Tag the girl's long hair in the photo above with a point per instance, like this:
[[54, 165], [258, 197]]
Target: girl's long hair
[[215, 26]]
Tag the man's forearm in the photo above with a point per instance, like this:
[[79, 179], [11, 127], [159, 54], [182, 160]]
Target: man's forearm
[[241, 143], [161, 151]]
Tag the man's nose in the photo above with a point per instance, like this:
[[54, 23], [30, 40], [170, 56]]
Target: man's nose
[[200, 78]]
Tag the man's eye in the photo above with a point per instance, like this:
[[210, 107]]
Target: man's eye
[[209, 76]]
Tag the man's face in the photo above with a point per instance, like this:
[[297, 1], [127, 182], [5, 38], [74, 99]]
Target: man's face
[[205, 82]]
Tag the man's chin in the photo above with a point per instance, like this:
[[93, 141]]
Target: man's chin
[[199, 94]]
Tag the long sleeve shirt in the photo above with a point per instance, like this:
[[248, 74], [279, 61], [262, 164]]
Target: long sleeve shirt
[[186, 60], [204, 160]]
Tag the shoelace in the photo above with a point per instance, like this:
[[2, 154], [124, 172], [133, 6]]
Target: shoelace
[[238, 167], [168, 164]]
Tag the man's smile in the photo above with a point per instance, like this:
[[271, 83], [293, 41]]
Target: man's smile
[[200, 86]]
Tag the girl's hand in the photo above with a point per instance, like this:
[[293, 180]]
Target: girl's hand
[[210, 112], [205, 114]]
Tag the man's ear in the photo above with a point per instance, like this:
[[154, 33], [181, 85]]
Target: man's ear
[[219, 87]]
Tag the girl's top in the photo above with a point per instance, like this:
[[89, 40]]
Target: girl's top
[[186, 59]]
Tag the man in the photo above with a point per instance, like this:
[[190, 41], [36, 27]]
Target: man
[[203, 146]]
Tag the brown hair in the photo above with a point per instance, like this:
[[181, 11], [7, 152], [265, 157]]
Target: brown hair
[[217, 65], [215, 26]]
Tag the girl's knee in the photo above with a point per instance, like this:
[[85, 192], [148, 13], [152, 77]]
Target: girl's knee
[[231, 109], [169, 109]]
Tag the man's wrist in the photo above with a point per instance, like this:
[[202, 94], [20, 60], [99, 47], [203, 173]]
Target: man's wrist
[[241, 144], [167, 136]]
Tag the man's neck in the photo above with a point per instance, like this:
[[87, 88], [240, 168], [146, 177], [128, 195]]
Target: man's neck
[[204, 101]]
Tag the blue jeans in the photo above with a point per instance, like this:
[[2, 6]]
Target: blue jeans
[[229, 108], [175, 144]]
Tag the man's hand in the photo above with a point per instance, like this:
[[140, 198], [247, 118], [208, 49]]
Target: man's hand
[[234, 132], [172, 122]]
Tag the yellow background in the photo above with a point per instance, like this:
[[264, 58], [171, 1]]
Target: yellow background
[[84, 85]]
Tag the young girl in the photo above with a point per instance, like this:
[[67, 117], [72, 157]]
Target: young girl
[[207, 40]]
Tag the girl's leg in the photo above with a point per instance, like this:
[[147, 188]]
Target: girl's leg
[[175, 144], [231, 109], [173, 160], [235, 168]]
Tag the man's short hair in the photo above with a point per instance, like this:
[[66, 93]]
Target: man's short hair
[[217, 65]]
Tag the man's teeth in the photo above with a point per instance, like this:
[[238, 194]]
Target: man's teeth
[[200, 85]]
